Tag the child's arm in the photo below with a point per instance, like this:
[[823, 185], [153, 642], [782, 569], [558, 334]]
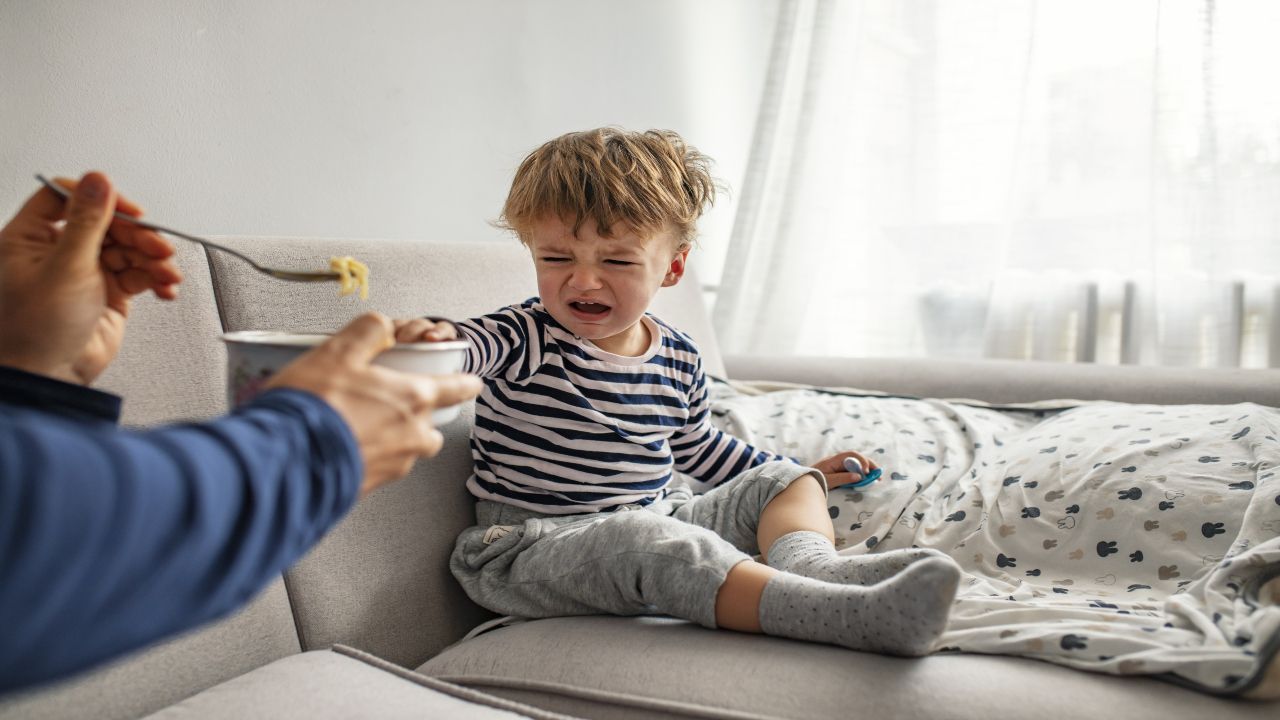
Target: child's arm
[[707, 454], [711, 456], [504, 343]]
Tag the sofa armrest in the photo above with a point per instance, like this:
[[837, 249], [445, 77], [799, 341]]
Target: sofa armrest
[[1013, 381]]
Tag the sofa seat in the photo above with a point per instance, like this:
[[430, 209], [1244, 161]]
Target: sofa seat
[[342, 683], [651, 667]]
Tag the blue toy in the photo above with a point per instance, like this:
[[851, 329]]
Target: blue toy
[[852, 465]]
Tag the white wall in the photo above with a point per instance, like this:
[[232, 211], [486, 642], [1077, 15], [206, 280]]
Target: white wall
[[390, 119]]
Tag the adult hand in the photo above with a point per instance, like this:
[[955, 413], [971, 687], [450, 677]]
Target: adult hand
[[65, 288], [835, 472], [389, 412]]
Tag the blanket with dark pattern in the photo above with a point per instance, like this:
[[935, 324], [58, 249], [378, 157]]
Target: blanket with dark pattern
[[1116, 538]]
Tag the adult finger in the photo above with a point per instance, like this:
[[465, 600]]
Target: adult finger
[[88, 216], [125, 233], [137, 272], [166, 292], [363, 338], [114, 258], [432, 439], [136, 280], [439, 391], [127, 206]]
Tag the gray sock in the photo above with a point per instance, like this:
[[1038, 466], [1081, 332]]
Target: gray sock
[[903, 615], [812, 555]]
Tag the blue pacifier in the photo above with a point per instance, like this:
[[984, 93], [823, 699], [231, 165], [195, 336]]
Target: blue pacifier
[[852, 465]]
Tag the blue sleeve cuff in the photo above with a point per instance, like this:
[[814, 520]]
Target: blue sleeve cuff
[[40, 392]]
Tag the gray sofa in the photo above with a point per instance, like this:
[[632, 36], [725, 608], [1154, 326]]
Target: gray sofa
[[379, 589]]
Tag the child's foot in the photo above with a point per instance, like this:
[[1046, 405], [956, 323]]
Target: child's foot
[[811, 554], [903, 615]]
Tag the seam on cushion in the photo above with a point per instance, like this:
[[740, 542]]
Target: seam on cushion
[[447, 688], [294, 611], [615, 699], [217, 293]]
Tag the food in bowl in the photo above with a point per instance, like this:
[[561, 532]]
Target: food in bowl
[[253, 356]]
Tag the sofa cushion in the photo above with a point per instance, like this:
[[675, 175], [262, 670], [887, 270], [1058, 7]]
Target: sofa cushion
[[380, 580], [156, 677], [343, 684], [650, 667]]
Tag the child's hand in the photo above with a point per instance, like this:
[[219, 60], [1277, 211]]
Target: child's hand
[[424, 330], [834, 470]]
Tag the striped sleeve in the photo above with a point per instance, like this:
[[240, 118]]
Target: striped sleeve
[[707, 454], [504, 344]]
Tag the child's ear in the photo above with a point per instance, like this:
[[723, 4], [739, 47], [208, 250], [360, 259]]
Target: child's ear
[[676, 269]]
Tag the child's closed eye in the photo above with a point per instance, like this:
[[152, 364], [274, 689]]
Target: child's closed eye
[[619, 262]]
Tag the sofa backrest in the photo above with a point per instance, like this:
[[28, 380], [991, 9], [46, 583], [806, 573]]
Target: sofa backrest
[[171, 365], [380, 581], [171, 368]]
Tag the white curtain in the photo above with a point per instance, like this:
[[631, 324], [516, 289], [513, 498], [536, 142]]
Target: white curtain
[[1053, 179]]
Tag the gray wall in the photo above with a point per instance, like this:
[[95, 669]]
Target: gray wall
[[395, 119]]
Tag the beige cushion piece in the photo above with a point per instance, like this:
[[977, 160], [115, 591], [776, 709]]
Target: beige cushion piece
[[166, 673], [608, 667], [323, 685]]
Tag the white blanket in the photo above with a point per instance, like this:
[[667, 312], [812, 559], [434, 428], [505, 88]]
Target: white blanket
[[1126, 539]]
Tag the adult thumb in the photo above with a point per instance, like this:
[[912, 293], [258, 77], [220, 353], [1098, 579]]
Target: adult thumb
[[363, 338], [88, 217]]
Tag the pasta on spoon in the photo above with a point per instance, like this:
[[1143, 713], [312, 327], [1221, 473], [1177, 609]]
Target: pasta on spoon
[[352, 275]]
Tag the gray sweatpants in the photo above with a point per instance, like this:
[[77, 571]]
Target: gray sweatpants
[[667, 558]]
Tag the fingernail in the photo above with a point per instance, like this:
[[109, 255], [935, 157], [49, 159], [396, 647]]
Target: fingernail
[[92, 187]]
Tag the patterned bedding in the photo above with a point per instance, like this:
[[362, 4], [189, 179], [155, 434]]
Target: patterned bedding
[[1125, 539]]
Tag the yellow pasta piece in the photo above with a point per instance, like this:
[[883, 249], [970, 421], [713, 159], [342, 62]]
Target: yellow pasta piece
[[352, 275]]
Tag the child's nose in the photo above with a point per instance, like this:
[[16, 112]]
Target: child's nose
[[584, 278]]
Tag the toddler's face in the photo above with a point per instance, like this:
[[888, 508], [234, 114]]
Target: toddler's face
[[598, 287]]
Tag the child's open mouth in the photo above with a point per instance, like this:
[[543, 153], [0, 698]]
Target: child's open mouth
[[589, 310]]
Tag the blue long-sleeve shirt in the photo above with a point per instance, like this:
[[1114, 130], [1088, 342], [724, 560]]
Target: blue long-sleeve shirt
[[111, 539]]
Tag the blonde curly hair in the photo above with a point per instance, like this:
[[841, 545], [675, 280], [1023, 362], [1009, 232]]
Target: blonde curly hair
[[646, 181]]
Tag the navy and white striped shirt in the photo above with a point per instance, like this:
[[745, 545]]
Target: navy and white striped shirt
[[565, 427]]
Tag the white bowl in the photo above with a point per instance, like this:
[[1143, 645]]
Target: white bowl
[[253, 356]]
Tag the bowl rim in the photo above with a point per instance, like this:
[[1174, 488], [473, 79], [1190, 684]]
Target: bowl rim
[[276, 338]]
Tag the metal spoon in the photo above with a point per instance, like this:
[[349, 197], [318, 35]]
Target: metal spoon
[[273, 272]]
